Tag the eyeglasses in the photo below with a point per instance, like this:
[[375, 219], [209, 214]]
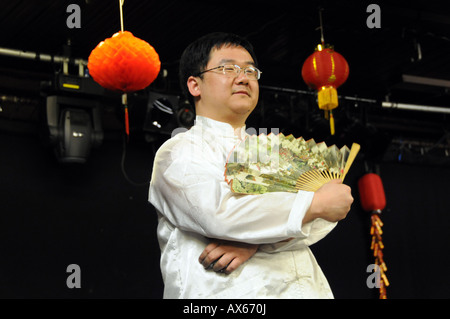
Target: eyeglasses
[[233, 70]]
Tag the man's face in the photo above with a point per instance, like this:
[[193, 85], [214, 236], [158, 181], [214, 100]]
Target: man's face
[[228, 99]]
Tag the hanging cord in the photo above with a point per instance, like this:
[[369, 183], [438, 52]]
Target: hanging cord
[[126, 139], [121, 14], [122, 166], [322, 39], [127, 126]]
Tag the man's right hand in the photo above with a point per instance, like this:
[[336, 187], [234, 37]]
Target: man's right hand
[[331, 202]]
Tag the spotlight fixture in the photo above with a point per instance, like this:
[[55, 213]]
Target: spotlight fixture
[[74, 126], [165, 113]]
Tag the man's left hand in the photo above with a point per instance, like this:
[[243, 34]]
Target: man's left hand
[[226, 256]]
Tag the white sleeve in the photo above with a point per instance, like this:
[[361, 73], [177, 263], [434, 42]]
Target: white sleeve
[[193, 195], [314, 231]]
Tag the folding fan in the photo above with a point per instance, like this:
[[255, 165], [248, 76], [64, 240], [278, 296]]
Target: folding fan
[[279, 163]]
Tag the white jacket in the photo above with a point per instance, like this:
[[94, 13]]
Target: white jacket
[[195, 203]]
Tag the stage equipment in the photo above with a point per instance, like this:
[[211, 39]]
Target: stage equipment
[[325, 70], [166, 113], [160, 116], [74, 126], [64, 60], [124, 63], [279, 163], [414, 107], [373, 200]]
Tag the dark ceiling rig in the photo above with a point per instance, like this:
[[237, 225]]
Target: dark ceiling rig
[[379, 126]]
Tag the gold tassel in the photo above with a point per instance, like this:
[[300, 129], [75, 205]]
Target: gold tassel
[[331, 123]]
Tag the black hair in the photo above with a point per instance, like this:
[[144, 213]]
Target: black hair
[[196, 56]]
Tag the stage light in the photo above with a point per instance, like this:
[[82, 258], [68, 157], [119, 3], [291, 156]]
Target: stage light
[[74, 127], [166, 112]]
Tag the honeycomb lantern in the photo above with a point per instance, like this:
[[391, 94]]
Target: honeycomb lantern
[[124, 63]]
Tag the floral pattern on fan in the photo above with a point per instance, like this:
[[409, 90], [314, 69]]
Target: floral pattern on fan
[[278, 163]]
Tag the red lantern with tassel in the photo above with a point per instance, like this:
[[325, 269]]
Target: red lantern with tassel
[[124, 63], [373, 200], [325, 70]]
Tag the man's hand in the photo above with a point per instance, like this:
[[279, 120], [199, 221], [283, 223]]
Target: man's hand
[[226, 256], [331, 202]]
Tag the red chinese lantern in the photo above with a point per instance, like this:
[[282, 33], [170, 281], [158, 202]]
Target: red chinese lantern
[[325, 70], [373, 200], [124, 63], [371, 192]]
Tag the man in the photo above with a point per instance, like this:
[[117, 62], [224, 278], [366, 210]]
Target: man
[[263, 238]]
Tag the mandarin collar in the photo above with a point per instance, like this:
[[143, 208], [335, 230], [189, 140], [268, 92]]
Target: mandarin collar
[[221, 128]]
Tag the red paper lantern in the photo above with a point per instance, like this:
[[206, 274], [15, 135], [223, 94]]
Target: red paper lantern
[[325, 70], [371, 192], [124, 63]]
